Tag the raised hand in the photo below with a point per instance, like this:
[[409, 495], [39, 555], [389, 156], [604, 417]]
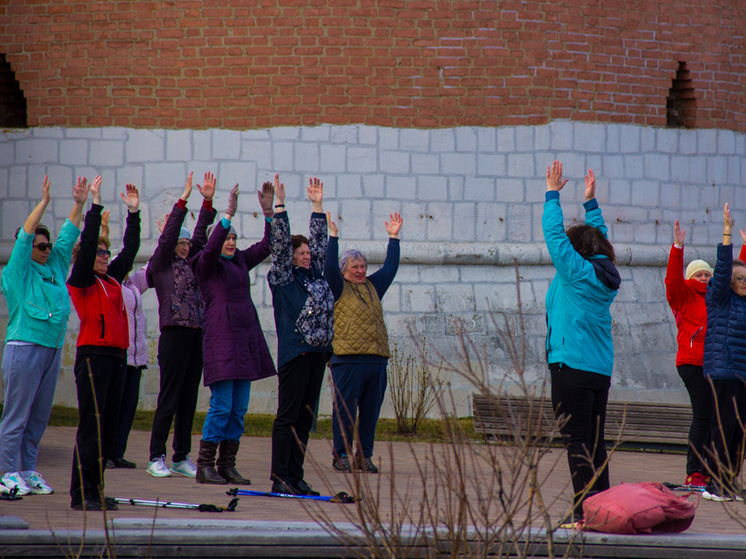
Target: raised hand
[[96, 190], [232, 202], [678, 234], [162, 225], [743, 236], [207, 191], [590, 185], [266, 198], [187, 188], [80, 191], [132, 199], [315, 192], [554, 176], [46, 197], [279, 191], [727, 221], [105, 231], [333, 229], [393, 227]]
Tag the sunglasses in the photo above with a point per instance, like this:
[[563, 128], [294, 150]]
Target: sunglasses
[[43, 246], [103, 253]]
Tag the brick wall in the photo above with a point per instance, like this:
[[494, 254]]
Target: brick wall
[[424, 64]]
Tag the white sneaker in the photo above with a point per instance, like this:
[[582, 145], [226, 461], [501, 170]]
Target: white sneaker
[[716, 497], [11, 480], [158, 468], [37, 485], [184, 468]]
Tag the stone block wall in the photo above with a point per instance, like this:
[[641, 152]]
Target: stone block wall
[[471, 198]]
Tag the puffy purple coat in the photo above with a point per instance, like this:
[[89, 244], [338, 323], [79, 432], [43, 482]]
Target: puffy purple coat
[[234, 347], [133, 287]]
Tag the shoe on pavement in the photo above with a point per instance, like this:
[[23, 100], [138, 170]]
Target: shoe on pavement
[[284, 487], [368, 465], [14, 480], [184, 467], [715, 496], [37, 485], [696, 480], [87, 505], [158, 468], [122, 463], [304, 488], [342, 464]]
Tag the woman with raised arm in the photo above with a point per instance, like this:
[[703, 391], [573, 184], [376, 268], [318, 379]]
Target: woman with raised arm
[[304, 318], [361, 345], [180, 344], [101, 358], [234, 348], [580, 350], [33, 282], [725, 366], [685, 292]]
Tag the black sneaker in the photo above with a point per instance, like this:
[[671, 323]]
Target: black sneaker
[[304, 488], [122, 463], [284, 487], [111, 503], [342, 464], [368, 465], [87, 505]]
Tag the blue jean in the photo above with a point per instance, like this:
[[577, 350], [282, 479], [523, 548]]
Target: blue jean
[[229, 400], [357, 387], [30, 373]]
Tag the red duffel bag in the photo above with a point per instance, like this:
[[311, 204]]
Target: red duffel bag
[[638, 508]]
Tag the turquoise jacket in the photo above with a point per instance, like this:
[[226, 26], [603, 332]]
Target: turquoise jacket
[[578, 317], [38, 303]]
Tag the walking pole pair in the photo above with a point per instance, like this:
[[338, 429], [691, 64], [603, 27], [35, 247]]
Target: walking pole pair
[[340, 497], [171, 505]]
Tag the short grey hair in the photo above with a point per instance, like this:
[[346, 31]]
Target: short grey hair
[[351, 254]]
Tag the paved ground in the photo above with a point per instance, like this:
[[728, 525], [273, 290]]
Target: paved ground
[[42, 512]]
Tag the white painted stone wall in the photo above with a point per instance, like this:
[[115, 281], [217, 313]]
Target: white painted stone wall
[[471, 199]]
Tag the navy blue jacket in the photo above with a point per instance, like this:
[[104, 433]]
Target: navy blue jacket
[[725, 340]]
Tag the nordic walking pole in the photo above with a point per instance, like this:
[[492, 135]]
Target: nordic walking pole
[[171, 505], [340, 497]]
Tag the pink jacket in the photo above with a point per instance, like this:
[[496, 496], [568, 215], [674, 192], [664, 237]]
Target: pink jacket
[[132, 289]]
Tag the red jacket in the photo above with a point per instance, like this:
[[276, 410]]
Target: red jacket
[[687, 301]]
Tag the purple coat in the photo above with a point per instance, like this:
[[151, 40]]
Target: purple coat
[[234, 347]]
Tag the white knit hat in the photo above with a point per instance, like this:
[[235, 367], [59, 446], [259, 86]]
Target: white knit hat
[[696, 266]]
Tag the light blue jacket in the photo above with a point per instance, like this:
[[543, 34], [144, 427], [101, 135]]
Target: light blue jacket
[[38, 302], [578, 317]]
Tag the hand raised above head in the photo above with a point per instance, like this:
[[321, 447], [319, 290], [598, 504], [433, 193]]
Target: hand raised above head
[[315, 190], [187, 187], [46, 197], [266, 198], [333, 229], [105, 231], [132, 199], [727, 221], [208, 191], [554, 176], [95, 189], [393, 227], [590, 185], [232, 202], [80, 190], [279, 190], [163, 224], [678, 234]]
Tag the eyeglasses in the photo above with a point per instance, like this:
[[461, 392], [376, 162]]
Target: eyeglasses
[[103, 253], [43, 246], [740, 279]]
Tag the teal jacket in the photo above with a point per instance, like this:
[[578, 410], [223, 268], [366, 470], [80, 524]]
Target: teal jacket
[[38, 303], [578, 299]]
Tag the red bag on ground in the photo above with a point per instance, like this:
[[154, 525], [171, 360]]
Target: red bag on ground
[[638, 508]]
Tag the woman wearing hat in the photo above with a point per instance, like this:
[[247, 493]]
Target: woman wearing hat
[[180, 343], [685, 292]]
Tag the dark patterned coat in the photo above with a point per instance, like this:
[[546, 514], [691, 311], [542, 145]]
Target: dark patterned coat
[[234, 347], [303, 302]]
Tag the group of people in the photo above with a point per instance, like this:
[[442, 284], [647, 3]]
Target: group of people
[[327, 312], [709, 307]]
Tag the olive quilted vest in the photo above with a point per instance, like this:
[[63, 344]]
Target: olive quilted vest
[[359, 328]]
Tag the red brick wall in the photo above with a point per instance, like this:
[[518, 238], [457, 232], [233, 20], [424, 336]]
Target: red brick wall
[[414, 63]]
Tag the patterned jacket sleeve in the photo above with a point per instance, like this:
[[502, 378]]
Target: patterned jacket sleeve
[[318, 238], [281, 270]]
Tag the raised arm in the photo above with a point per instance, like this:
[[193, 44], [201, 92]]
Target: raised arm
[[82, 273], [207, 214], [318, 235], [258, 252], [719, 286], [34, 218], [593, 215], [332, 273], [674, 281], [122, 264], [383, 278], [281, 246]]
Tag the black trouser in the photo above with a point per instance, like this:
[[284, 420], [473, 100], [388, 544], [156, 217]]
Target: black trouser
[[700, 395], [127, 409], [108, 374], [727, 436], [180, 360], [579, 399], [298, 393]]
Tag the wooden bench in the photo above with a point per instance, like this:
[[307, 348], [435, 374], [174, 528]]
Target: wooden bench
[[633, 424]]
